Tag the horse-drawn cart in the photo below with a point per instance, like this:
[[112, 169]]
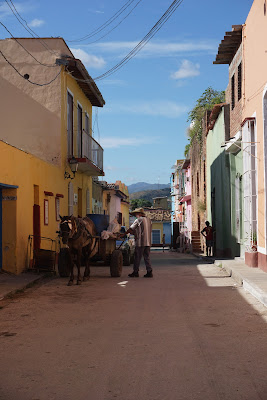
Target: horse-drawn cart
[[107, 253]]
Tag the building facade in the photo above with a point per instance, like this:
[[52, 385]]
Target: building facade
[[116, 202], [230, 52], [52, 128], [254, 135]]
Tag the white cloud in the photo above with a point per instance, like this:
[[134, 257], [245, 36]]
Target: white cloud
[[115, 142], [89, 60], [187, 70], [167, 109], [96, 11], [158, 48], [21, 8], [36, 23]]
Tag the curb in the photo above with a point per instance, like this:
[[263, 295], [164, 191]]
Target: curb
[[247, 285], [256, 292], [21, 289], [232, 273]]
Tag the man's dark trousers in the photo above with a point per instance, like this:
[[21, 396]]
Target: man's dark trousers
[[139, 252]]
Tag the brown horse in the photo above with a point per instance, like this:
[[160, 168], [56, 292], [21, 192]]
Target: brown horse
[[79, 234]]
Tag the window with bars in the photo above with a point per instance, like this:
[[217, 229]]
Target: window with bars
[[239, 89], [233, 91]]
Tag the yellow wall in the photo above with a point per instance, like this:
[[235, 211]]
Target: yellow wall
[[125, 214], [124, 205], [24, 170], [158, 225]]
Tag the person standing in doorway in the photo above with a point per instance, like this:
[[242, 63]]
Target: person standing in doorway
[[141, 229], [207, 232]]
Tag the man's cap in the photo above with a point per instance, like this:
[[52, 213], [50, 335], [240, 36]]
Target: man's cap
[[138, 211]]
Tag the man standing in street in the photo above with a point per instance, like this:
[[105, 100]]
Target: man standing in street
[[208, 230], [141, 229]]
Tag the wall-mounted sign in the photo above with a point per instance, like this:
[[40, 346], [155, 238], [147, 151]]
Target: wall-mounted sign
[[75, 199], [46, 211]]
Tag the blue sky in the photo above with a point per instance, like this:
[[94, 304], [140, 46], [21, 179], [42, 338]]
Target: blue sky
[[142, 127]]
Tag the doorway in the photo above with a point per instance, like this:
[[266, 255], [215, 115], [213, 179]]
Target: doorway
[[8, 226], [36, 219]]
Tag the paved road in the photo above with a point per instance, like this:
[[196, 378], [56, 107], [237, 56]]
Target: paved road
[[187, 334]]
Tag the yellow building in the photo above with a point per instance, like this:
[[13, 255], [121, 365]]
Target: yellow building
[[46, 128]]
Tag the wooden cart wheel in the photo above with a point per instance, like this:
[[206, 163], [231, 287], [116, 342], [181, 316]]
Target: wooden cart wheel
[[116, 263]]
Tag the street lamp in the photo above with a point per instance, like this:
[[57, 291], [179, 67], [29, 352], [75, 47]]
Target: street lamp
[[73, 166]]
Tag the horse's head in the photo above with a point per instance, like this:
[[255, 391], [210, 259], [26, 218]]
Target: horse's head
[[66, 228]]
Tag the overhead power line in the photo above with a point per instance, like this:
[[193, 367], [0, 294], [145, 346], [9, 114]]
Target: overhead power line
[[27, 76], [126, 16], [107, 23], [159, 24], [27, 28], [27, 51]]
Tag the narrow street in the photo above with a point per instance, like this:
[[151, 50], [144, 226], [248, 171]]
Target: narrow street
[[187, 334]]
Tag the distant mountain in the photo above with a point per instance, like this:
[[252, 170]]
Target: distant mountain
[[150, 194], [140, 186]]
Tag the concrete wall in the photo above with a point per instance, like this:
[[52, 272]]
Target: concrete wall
[[31, 113]]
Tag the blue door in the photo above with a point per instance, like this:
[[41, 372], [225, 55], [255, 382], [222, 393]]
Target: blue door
[[167, 230]]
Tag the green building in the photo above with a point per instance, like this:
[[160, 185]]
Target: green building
[[224, 184]]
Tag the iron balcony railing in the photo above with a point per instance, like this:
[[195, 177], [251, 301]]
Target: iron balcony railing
[[91, 150]]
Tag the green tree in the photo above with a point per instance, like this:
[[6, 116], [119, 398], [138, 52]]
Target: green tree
[[137, 203], [144, 203], [207, 100]]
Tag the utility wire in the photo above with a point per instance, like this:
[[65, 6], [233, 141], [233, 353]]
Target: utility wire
[[107, 23], [27, 28], [175, 4], [159, 24], [126, 16], [27, 51], [25, 76]]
